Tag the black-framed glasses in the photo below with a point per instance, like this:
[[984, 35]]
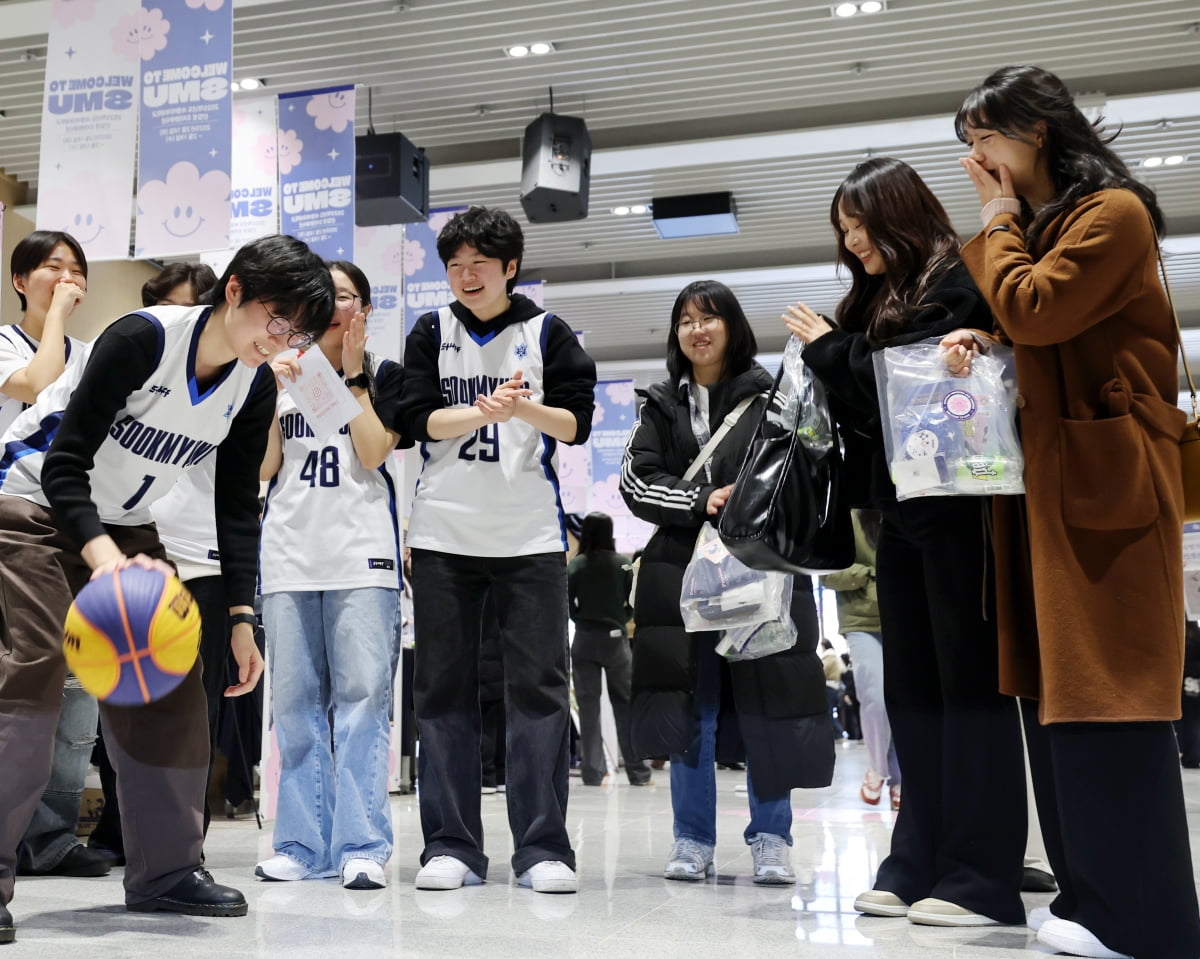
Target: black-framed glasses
[[345, 301], [282, 326]]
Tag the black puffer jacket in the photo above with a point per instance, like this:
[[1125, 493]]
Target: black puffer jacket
[[776, 704]]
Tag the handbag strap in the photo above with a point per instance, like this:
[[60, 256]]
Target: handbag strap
[[1187, 372], [714, 441]]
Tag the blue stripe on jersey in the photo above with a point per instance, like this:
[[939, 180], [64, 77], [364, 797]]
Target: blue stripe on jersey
[[262, 519], [549, 446], [391, 491], [38, 442], [25, 336], [158, 328], [194, 388], [482, 339]]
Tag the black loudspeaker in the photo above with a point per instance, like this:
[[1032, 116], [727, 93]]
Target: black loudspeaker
[[391, 180], [556, 168]]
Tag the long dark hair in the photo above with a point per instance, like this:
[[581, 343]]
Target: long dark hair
[[913, 235], [362, 286], [1013, 100], [718, 299], [596, 534]]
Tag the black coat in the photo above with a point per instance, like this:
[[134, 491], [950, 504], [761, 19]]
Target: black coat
[[775, 705]]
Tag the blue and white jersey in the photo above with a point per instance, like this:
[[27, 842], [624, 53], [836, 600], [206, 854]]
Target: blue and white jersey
[[17, 349], [495, 491], [166, 424], [329, 522], [187, 522]]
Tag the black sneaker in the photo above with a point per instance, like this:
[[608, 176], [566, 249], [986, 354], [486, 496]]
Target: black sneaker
[[196, 895], [8, 932]]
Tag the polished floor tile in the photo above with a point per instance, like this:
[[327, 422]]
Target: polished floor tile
[[624, 908]]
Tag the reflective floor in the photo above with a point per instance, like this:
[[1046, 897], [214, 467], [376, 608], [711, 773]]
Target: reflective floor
[[624, 908]]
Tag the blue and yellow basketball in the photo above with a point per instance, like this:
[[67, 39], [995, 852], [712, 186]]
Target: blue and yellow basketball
[[132, 635]]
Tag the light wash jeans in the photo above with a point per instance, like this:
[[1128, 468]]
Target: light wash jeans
[[694, 779], [51, 833], [330, 654], [866, 655]]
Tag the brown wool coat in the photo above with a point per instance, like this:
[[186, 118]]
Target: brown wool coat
[[1089, 561]]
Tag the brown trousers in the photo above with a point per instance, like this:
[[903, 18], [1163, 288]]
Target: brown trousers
[[160, 751]]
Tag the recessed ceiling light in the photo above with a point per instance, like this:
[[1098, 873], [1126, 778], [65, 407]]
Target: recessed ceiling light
[[620, 211], [850, 9], [1174, 160], [638, 209], [540, 48], [845, 10], [871, 6], [251, 83], [517, 50], [1152, 161]]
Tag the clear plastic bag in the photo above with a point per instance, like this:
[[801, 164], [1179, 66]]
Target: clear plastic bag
[[948, 435], [805, 408], [755, 642], [721, 592]]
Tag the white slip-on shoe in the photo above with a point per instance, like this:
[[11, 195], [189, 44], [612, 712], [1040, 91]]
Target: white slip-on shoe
[[880, 902], [1038, 916], [363, 874], [446, 872], [550, 875], [1075, 940], [939, 912]]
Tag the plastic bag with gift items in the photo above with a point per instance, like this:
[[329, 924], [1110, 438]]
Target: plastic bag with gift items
[[721, 592], [947, 435]]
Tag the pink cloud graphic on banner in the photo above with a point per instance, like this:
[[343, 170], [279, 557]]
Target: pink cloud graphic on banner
[[76, 208], [140, 35], [331, 111], [440, 219], [206, 4], [414, 257], [187, 209], [621, 394], [606, 495], [263, 153], [289, 150], [393, 258], [66, 12]]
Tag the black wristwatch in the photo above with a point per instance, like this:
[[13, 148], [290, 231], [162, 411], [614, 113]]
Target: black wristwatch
[[362, 381], [235, 618]]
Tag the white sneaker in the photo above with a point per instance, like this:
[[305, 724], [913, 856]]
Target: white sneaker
[[1037, 917], [880, 902], [446, 872], [281, 868], [550, 875], [1075, 940], [772, 860], [363, 874], [690, 861]]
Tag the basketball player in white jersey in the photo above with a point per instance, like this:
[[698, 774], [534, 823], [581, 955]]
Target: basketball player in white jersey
[[492, 384], [162, 390], [48, 270], [330, 573]]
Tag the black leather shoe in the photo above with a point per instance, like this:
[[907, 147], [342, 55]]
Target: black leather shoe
[[1038, 880], [115, 857], [8, 932], [196, 895], [79, 862]]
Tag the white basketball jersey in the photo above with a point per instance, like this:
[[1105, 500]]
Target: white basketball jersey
[[17, 349], [166, 426], [493, 492], [328, 523], [187, 521]]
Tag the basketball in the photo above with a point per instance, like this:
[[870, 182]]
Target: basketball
[[132, 635]]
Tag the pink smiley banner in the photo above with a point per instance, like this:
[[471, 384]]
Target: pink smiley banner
[[89, 123], [184, 147]]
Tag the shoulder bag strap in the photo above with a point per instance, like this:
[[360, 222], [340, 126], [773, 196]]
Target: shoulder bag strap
[[1187, 372], [714, 441]]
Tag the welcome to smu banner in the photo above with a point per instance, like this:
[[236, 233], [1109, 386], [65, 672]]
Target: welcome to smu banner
[[184, 146], [89, 124], [315, 152]]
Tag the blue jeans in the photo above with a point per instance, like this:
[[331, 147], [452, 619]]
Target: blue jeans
[[330, 653], [693, 778], [51, 832], [531, 608]]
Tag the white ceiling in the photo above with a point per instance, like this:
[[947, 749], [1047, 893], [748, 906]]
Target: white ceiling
[[774, 100]]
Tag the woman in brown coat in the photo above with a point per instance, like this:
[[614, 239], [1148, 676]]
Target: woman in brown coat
[[1089, 562]]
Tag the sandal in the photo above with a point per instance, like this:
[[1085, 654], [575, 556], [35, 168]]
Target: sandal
[[895, 797], [870, 791]]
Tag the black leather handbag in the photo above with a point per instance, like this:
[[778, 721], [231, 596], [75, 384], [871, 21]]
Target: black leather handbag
[[787, 511]]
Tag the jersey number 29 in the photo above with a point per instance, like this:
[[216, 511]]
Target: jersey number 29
[[482, 445]]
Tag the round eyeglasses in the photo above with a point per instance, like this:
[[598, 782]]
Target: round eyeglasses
[[281, 326]]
